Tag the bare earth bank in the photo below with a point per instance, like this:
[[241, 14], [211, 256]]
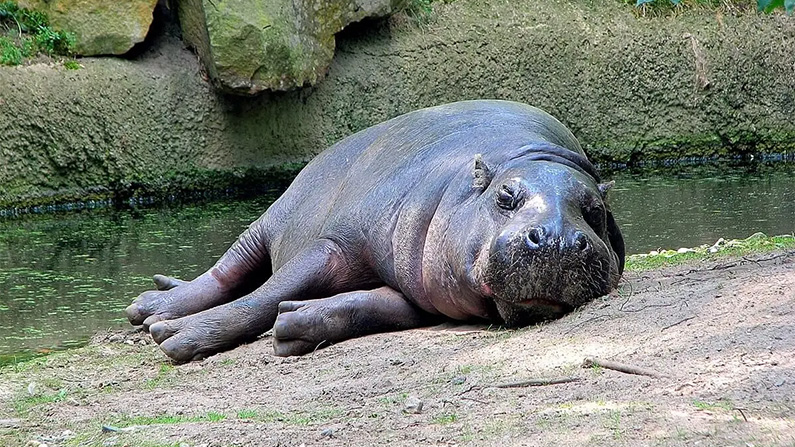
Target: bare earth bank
[[721, 334]]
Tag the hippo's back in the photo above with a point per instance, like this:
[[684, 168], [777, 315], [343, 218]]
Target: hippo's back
[[376, 169]]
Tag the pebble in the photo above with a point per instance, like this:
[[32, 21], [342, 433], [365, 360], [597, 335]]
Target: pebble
[[9, 423], [129, 342], [328, 433], [458, 380], [115, 338], [413, 405]]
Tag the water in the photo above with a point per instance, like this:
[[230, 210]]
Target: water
[[64, 276]]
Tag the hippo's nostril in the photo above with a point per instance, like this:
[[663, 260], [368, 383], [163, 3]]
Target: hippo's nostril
[[580, 241], [534, 236]]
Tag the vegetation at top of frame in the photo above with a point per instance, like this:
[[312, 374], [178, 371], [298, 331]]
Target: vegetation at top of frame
[[25, 33], [422, 9], [761, 5]]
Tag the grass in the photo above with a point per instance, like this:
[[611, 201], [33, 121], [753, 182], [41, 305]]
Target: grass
[[23, 405], [711, 406], [25, 33], [757, 243], [444, 419], [164, 375], [667, 7]]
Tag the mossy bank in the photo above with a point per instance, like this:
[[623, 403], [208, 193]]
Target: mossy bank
[[701, 84]]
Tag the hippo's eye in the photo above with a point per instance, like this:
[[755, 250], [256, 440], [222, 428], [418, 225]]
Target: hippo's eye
[[508, 197], [595, 217]]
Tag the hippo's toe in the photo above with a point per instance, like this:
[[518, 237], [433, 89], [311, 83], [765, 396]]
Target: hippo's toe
[[163, 330], [135, 314]]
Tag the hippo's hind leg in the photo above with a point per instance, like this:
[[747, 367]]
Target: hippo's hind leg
[[244, 267], [320, 270], [302, 327]]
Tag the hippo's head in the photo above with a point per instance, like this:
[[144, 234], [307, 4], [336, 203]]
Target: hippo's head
[[545, 241]]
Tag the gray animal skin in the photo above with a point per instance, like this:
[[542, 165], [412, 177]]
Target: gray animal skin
[[476, 210]]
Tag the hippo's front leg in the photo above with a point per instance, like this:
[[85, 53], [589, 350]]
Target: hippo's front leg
[[303, 326], [245, 266], [320, 270]]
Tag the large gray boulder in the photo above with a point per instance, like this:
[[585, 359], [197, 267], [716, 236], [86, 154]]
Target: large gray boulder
[[248, 46]]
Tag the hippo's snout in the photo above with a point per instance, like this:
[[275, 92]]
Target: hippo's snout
[[540, 237]]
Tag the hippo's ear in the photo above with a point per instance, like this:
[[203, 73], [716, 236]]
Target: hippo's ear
[[604, 187], [481, 173]]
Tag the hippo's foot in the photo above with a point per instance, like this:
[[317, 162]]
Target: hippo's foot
[[304, 326], [203, 334], [174, 299]]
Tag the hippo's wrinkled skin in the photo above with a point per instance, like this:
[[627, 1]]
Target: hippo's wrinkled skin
[[484, 210]]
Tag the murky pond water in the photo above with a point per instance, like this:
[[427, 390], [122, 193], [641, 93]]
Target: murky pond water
[[64, 276]]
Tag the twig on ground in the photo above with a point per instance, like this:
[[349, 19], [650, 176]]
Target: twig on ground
[[677, 323], [620, 367], [535, 382], [474, 400], [596, 318], [742, 413]]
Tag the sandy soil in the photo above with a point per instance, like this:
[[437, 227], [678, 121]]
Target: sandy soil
[[721, 335]]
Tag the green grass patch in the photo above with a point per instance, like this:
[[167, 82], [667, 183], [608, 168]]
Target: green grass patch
[[25, 33], [163, 377], [719, 405], [444, 419], [757, 243], [23, 405], [247, 414]]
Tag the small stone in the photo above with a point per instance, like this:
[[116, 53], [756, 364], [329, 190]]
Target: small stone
[[413, 405], [9, 423], [129, 342], [396, 362], [327, 433], [32, 388], [779, 382], [67, 434], [115, 338], [142, 342], [458, 380]]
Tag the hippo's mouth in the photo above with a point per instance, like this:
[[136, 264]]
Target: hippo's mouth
[[530, 311], [538, 302]]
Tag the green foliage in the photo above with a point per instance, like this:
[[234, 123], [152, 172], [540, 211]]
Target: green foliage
[[422, 10], [762, 5], [71, 64], [28, 33], [770, 5], [756, 243]]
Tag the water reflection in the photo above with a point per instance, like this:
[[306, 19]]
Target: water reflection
[[698, 205]]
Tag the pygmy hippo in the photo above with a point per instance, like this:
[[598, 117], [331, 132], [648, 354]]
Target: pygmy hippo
[[476, 210]]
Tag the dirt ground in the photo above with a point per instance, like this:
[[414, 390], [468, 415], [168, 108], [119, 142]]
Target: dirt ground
[[720, 334]]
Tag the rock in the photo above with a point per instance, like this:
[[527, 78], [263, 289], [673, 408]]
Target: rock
[[100, 26], [413, 405], [458, 380], [9, 423], [248, 46], [327, 433]]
